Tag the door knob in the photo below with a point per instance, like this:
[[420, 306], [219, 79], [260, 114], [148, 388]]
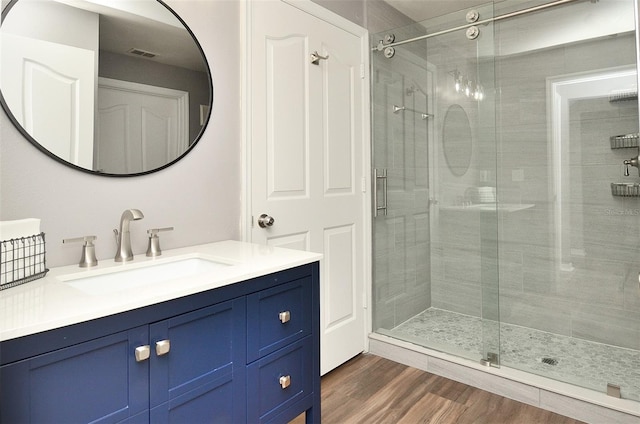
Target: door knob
[[265, 220]]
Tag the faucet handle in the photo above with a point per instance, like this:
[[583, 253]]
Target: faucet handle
[[88, 258], [154, 241], [154, 231]]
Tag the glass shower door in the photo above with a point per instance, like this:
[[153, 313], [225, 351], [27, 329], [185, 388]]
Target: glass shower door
[[567, 121], [435, 250]]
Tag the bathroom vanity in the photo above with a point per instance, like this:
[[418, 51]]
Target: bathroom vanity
[[239, 343]]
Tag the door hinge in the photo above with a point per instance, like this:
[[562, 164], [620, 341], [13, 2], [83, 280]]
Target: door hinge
[[362, 71]]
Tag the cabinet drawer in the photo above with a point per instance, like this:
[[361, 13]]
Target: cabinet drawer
[[277, 317], [281, 379]]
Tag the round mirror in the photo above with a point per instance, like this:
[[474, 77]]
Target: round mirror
[[110, 87], [457, 140]]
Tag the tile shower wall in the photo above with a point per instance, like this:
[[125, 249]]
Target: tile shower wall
[[597, 296], [463, 249], [599, 299], [401, 238], [594, 295]]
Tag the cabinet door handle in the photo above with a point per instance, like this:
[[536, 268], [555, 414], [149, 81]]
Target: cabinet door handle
[[143, 353], [163, 347], [284, 316], [285, 381]]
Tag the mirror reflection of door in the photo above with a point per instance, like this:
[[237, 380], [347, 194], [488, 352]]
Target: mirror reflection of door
[[62, 119], [77, 42], [139, 127]]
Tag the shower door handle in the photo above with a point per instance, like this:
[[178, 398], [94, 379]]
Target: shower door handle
[[383, 177]]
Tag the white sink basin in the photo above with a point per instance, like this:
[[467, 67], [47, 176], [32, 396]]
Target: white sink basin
[[134, 275]]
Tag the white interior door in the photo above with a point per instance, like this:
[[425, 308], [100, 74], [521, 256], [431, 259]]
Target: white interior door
[[307, 138], [140, 127], [62, 121]]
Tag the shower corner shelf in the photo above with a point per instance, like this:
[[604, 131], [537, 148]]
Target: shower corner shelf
[[624, 141], [625, 189]]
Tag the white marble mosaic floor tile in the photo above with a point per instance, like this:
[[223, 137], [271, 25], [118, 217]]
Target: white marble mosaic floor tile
[[563, 358]]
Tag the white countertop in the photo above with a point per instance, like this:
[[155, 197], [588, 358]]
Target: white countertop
[[51, 302]]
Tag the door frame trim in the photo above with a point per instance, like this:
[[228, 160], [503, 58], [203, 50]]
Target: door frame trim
[[246, 223]]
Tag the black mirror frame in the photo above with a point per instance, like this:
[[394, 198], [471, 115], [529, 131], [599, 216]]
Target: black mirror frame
[[40, 147]]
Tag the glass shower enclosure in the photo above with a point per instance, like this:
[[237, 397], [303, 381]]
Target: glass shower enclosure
[[507, 206]]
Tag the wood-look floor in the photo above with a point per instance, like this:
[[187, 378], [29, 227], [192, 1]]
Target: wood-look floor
[[369, 389]]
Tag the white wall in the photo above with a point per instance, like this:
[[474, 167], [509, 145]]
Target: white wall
[[199, 196]]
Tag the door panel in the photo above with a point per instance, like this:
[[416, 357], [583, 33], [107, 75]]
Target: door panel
[[339, 259], [339, 86], [62, 120], [290, 241], [307, 158], [286, 134], [148, 124]]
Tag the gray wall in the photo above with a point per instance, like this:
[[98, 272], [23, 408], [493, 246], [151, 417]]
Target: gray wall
[[199, 196], [374, 15], [598, 299]]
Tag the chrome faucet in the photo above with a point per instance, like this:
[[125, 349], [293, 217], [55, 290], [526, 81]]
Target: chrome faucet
[[635, 161], [123, 238]]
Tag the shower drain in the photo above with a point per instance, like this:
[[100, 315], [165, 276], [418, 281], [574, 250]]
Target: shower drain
[[550, 361]]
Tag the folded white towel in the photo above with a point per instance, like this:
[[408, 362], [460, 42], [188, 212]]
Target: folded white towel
[[19, 228]]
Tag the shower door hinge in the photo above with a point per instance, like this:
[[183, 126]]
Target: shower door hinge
[[491, 359], [362, 71]]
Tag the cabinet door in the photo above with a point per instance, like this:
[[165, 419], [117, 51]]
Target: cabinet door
[[201, 378], [98, 381]]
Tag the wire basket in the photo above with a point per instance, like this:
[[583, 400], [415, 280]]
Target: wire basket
[[22, 260]]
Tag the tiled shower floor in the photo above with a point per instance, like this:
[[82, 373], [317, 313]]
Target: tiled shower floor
[[577, 361]]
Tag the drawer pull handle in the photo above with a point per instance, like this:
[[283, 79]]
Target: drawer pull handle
[[163, 347], [143, 353], [285, 381], [285, 316]]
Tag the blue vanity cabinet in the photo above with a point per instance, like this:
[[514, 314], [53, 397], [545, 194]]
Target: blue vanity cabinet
[[245, 352], [95, 381], [279, 350], [195, 372], [201, 376]]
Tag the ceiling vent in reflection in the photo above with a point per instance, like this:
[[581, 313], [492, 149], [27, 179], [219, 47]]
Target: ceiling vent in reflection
[[142, 53]]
